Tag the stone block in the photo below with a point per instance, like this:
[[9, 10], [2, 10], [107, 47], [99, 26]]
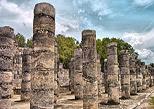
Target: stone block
[[42, 79]]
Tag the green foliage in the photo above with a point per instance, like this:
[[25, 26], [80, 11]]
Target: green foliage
[[152, 64], [29, 43], [66, 46], [121, 45], [20, 39], [153, 100]]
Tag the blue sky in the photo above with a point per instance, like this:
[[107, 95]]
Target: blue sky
[[130, 20]]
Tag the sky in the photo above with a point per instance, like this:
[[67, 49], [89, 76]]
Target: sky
[[130, 20]]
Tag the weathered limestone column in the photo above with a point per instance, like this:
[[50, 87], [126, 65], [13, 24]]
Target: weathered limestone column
[[17, 71], [105, 76], [42, 76], [100, 76], [71, 75], [151, 77], [133, 84], [26, 74], [6, 66], [144, 75], [152, 73], [125, 74], [112, 74], [78, 80], [147, 77], [55, 74], [89, 69], [139, 75]]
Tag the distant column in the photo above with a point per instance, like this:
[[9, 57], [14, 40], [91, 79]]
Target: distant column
[[90, 84], [144, 75], [26, 75], [147, 77], [112, 74], [105, 76], [6, 66], [78, 80], [71, 75], [133, 84], [55, 74], [42, 76], [151, 77], [100, 76], [125, 74], [139, 75]]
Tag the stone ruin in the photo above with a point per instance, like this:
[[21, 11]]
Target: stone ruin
[[112, 74], [17, 68], [26, 74], [89, 69], [42, 73], [6, 66], [40, 78], [63, 79], [125, 74]]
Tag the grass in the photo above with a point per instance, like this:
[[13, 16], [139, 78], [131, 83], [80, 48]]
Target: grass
[[153, 100]]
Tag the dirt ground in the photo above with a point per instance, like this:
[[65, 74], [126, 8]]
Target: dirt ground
[[67, 101]]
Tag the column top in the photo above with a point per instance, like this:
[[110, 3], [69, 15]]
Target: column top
[[88, 32], [27, 51], [77, 52], [44, 8], [124, 52], [113, 44], [7, 31]]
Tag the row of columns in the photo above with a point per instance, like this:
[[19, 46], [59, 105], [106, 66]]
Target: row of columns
[[41, 85]]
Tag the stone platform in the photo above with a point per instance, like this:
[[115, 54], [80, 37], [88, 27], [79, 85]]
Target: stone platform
[[67, 101]]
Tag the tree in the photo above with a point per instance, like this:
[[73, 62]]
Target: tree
[[152, 64], [121, 45], [29, 43], [20, 39], [66, 46]]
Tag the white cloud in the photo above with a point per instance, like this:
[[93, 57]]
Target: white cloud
[[21, 19], [18, 17], [142, 43], [66, 25], [145, 54], [143, 2]]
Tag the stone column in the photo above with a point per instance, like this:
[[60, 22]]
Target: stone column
[[139, 75], [133, 84], [151, 77], [112, 74], [144, 75], [55, 73], [6, 66], [89, 69], [147, 77], [26, 74], [105, 76], [152, 73], [100, 76], [125, 74], [42, 76], [71, 75], [78, 80], [17, 73]]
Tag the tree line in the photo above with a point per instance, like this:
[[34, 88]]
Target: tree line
[[66, 46]]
